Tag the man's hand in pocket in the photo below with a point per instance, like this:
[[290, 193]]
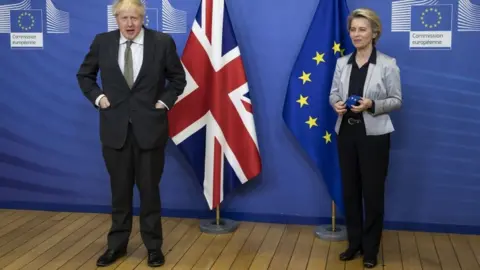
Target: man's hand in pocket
[[104, 103]]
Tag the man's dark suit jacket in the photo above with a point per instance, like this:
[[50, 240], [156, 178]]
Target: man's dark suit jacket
[[137, 105]]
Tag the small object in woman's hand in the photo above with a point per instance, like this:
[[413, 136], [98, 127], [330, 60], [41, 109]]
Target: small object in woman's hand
[[353, 101]]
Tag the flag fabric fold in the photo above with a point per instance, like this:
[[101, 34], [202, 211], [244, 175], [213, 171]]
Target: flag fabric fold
[[307, 112], [212, 122]]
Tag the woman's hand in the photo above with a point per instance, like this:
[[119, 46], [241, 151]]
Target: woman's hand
[[340, 108], [365, 104]]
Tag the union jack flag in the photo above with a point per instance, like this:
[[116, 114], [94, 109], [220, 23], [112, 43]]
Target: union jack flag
[[212, 122]]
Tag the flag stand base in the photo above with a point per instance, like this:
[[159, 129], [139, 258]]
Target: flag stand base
[[326, 232], [218, 225], [332, 232], [223, 226]]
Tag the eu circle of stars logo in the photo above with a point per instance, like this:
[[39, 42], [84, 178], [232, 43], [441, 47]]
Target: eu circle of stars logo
[[434, 17], [26, 21]]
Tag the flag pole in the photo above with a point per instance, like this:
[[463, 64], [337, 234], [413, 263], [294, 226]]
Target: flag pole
[[332, 232], [333, 217], [218, 225]]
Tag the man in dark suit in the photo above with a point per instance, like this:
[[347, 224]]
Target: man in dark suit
[[134, 62]]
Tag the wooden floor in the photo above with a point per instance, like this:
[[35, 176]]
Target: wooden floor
[[49, 240]]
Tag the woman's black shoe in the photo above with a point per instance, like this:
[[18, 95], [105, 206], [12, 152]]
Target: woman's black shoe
[[369, 263], [350, 254]]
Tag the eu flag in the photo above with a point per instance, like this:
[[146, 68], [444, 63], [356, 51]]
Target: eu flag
[[26, 21], [431, 18], [307, 111]]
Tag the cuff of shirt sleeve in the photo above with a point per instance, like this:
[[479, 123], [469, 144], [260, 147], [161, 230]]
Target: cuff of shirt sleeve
[[97, 101], [159, 101], [372, 109]]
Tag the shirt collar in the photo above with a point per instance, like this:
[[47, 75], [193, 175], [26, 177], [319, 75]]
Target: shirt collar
[[371, 60], [138, 39]]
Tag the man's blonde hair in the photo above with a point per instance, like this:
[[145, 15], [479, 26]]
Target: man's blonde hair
[[372, 17], [119, 5]]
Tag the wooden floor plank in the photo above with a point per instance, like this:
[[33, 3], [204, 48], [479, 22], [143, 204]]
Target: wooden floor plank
[[39, 249], [179, 250], [301, 252], [318, 254], [88, 253], [79, 246], [56, 240], [285, 248], [195, 252], [16, 249], [7, 212], [392, 257], [65, 243], [249, 250], [409, 250], [446, 253], [43, 217], [474, 241], [333, 263], [464, 252], [5, 221], [356, 264], [427, 251], [7, 215], [10, 227], [213, 251], [228, 255], [267, 249]]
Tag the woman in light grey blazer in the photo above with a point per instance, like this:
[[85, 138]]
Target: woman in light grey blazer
[[363, 130]]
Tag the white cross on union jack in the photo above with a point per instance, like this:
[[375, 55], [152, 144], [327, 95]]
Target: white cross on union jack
[[212, 122]]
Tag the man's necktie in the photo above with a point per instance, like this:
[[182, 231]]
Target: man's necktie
[[128, 68]]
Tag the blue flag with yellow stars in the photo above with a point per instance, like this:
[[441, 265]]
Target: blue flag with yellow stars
[[307, 111]]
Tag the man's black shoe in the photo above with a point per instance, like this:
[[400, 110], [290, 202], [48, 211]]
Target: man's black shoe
[[155, 258], [110, 256], [370, 262], [350, 254]]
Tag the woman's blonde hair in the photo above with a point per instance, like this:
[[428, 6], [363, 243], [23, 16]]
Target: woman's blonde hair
[[371, 16], [126, 4]]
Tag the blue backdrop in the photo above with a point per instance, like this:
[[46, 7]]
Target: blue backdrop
[[50, 154]]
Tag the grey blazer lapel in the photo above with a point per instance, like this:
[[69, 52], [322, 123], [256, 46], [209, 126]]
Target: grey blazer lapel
[[366, 86], [346, 81]]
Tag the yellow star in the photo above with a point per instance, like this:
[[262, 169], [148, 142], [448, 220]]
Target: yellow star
[[342, 52], [336, 47], [327, 137], [319, 58], [312, 122], [305, 77], [302, 100]]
